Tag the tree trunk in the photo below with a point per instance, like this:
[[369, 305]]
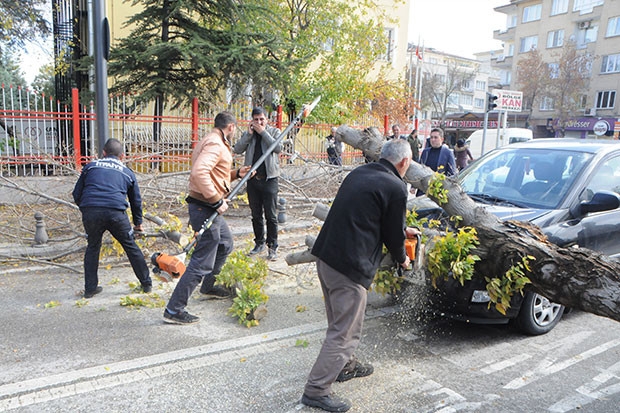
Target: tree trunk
[[574, 277]]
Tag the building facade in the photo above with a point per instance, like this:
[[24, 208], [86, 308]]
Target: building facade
[[547, 25]]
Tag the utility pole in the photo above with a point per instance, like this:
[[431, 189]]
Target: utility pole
[[101, 54]]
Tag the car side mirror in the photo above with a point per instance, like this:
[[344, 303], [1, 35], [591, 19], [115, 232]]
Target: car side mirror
[[601, 201]]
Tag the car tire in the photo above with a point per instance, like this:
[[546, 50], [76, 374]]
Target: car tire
[[538, 315]]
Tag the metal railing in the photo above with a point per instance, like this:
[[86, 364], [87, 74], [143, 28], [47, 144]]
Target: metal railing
[[40, 136]]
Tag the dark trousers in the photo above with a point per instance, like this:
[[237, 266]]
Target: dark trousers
[[99, 220], [345, 305], [263, 197], [208, 257]]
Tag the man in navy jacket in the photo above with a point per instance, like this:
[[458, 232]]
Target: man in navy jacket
[[438, 156], [101, 192], [368, 212]]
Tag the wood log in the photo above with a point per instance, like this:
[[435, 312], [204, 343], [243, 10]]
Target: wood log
[[302, 257], [320, 211]]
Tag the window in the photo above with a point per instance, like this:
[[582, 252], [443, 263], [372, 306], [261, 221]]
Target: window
[[582, 101], [466, 85], [511, 21], [481, 85], [511, 50], [478, 103], [613, 27], [546, 103], [555, 38], [505, 77], [559, 6], [554, 70], [466, 100], [440, 79], [606, 99], [453, 99], [587, 35], [586, 6], [611, 63], [528, 43], [531, 13], [388, 54]]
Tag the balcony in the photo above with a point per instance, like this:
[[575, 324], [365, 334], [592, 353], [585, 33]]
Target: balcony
[[504, 34]]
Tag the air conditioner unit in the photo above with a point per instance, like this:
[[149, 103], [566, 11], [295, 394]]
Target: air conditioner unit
[[590, 112], [585, 25]]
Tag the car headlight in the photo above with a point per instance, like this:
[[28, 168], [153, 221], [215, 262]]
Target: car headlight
[[480, 296]]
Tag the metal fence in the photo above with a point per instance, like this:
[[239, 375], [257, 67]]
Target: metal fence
[[40, 136]]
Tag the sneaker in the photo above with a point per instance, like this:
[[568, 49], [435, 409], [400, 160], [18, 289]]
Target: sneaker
[[217, 292], [91, 294], [273, 255], [147, 289], [180, 318], [329, 403], [258, 248], [353, 370]]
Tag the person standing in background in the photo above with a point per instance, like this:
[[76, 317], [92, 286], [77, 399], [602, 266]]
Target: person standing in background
[[438, 156], [462, 155], [263, 186], [333, 148]]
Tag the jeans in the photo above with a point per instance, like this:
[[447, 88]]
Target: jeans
[[263, 197], [210, 253], [98, 220]]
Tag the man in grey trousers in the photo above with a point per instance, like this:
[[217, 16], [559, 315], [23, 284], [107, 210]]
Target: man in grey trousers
[[368, 212]]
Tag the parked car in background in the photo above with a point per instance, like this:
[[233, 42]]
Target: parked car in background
[[570, 188]]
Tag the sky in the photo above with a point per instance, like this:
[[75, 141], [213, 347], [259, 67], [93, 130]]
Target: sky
[[459, 27]]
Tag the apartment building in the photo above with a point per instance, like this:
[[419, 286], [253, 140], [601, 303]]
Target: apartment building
[[547, 25], [464, 108]]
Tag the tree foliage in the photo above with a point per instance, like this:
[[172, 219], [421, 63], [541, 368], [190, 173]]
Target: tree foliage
[[273, 51], [563, 79], [21, 21], [10, 72]]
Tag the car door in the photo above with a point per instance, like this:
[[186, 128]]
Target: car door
[[600, 231]]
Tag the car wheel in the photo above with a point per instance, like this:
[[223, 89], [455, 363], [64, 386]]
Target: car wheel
[[538, 315]]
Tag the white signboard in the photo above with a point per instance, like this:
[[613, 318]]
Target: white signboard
[[510, 100]]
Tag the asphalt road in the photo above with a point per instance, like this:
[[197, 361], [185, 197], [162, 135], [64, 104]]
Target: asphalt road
[[58, 356]]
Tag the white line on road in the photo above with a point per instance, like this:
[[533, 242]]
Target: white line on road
[[43, 389], [547, 367]]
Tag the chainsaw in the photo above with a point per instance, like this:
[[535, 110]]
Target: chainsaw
[[170, 267]]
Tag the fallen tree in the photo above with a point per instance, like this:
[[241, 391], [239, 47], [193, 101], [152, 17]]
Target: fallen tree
[[575, 277]]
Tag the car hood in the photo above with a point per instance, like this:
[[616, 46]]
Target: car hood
[[506, 213]]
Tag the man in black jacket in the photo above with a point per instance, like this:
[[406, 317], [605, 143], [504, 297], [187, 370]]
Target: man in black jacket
[[368, 212], [101, 192]]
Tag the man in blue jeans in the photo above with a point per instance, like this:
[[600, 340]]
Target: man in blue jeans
[[209, 183], [101, 192], [263, 187]]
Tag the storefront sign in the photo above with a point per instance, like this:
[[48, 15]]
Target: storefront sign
[[600, 128]]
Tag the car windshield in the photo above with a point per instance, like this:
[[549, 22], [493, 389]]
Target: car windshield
[[526, 177]]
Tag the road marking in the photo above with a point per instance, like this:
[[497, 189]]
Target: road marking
[[500, 365], [588, 392], [53, 387], [547, 367]]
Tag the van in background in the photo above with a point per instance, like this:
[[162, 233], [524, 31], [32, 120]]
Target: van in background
[[508, 136]]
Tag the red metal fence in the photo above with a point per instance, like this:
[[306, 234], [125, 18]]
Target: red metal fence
[[41, 137]]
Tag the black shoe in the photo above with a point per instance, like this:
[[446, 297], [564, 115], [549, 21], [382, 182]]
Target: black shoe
[[330, 403], [273, 254], [258, 248], [180, 318], [91, 294], [217, 292], [356, 369], [147, 289]]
